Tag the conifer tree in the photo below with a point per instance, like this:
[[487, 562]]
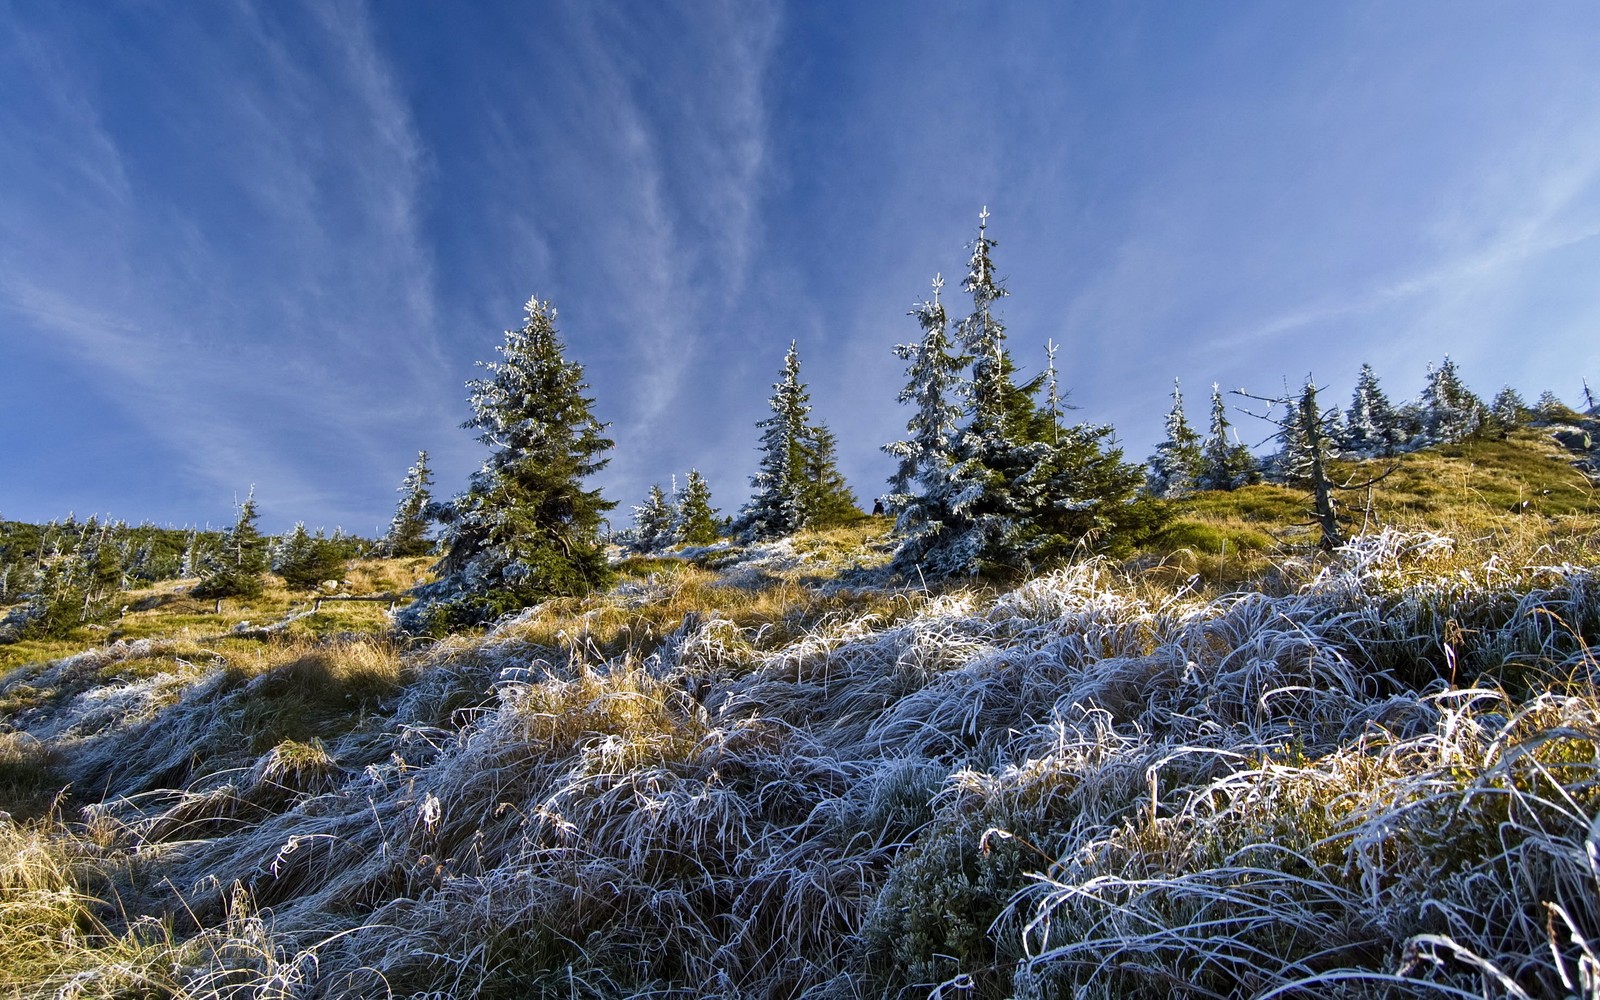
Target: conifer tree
[[305, 560], [1011, 488], [235, 569], [1316, 450], [653, 521], [525, 529], [797, 483], [697, 520], [919, 494], [76, 575], [189, 565], [1449, 410], [826, 497], [978, 526], [408, 529], [1550, 409], [1306, 433], [1508, 410], [1372, 427], [1174, 469], [1225, 463]]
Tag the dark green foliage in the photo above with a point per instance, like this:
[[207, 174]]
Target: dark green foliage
[[525, 529], [1225, 463], [408, 530], [305, 560], [235, 569], [1080, 497], [1175, 468], [72, 582], [697, 519], [148, 553], [797, 484], [1010, 489]]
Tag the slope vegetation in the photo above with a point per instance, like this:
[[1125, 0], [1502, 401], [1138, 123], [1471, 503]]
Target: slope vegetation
[[778, 772]]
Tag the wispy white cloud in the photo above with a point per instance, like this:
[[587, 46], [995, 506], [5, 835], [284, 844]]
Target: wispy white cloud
[[276, 325]]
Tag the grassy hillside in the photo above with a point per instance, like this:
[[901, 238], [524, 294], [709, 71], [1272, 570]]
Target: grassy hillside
[[1224, 767]]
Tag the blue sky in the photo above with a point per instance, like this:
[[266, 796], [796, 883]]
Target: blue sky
[[264, 242]]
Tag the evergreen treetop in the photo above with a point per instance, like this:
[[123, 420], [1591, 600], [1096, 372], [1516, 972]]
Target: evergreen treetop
[[525, 528], [1372, 426], [988, 479], [797, 483], [408, 529], [1174, 469], [697, 519], [1508, 410], [653, 521], [1449, 410], [919, 488], [1225, 462], [235, 569]]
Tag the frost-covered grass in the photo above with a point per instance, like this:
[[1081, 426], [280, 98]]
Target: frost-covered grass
[[770, 773]]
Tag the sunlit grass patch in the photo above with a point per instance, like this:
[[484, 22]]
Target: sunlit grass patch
[[30, 776], [301, 689]]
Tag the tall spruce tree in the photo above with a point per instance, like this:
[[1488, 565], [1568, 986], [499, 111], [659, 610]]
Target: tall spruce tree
[[979, 529], [525, 529], [696, 523], [797, 483], [1174, 469], [1372, 426], [1225, 462], [653, 521], [235, 568], [413, 516], [919, 491], [999, 484], [1449, 410]]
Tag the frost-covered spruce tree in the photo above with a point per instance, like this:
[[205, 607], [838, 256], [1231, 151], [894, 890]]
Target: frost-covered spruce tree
[[696, 523], [1017, 489], [234, 569], [408, 529], [1551, 410], [1449, 411], [1225, 462], [653, 521], [525, 529], [980, 529], [920, 495], [1372, 426], [797, 483], [1174, 469], [1509, 411]]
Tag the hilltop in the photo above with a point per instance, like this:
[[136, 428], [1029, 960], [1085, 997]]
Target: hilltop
[[1223, 765]]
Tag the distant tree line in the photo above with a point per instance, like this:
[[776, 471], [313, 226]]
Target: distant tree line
[[990, 478]]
